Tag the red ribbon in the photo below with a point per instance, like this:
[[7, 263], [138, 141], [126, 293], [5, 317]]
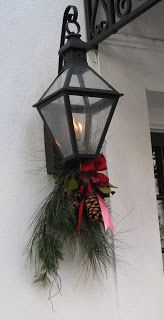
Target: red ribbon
[[80, 215], [98, 164], [90, 177]]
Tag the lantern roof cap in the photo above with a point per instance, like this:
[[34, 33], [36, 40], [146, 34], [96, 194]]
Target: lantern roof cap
[[80, 80], [73, 42]]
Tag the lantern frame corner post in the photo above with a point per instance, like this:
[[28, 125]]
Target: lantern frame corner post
[[70, 124], [53, 157]]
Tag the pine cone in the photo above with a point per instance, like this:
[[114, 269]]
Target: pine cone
[[75, 204], [92, 207], [72, 200]]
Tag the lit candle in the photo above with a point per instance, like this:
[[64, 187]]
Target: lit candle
[[78, 127], [78, 131]]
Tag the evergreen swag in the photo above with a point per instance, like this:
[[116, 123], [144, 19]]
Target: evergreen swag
[[71, 218]]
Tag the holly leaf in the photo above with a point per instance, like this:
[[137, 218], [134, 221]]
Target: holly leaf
[[60, 179], [105, 190], [112, 186], [71, 184]]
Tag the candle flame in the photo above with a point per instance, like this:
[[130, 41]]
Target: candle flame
[[77, 126], [80, 127]]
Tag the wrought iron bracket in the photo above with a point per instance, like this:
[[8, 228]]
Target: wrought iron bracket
[[106, 17]]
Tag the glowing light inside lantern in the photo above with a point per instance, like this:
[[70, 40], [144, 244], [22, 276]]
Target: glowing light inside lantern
[[77, 126]]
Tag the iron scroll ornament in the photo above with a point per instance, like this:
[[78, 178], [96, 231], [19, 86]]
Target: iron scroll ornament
[[70, 17], [123, 7], [103, 25], [116, 14]]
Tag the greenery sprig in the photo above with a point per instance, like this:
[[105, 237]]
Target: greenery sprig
[[54, 232]]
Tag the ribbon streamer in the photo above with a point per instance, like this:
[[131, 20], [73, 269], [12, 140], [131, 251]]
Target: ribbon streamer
[[105, 214], [80, 215]]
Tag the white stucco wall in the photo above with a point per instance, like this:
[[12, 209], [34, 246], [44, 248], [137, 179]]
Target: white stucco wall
[[133, 66], [29, 37]]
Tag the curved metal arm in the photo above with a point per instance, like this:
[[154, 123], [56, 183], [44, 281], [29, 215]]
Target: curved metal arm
[[68, 18]]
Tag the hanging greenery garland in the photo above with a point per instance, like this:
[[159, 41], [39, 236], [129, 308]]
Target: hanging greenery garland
[[74, 216]]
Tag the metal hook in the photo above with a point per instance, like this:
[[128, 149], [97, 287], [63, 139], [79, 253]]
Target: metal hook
[[67, 19]]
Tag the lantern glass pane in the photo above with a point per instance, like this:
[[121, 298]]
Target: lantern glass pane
[[99, 119], [55, 116], [89, 119], [57, 84], [86, 78]]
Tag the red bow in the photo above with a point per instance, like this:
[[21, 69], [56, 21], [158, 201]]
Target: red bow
[[92, 167], [98, 164]]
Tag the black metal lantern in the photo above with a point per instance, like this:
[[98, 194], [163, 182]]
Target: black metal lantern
[[78, 106]]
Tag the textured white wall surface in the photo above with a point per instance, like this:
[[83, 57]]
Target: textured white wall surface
[[134, 66], [29, 37]]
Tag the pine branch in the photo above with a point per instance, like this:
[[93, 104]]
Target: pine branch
[[54, 232]]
